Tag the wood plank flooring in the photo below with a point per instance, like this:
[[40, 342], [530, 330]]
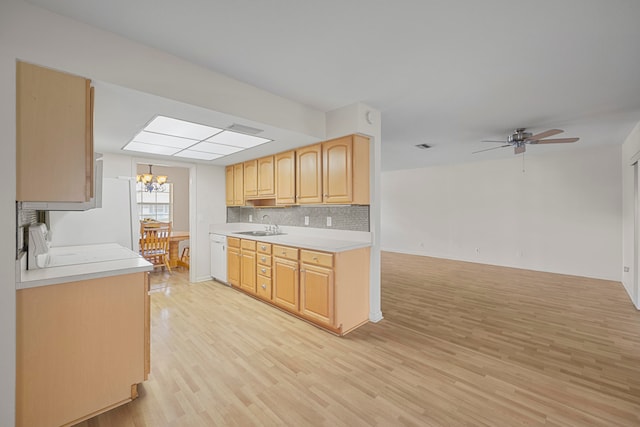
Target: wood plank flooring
[[461, 345]]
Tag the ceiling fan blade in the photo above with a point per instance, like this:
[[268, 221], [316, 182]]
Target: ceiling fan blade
[[554, 141], [493, 148], [492, 140], [544, 134]]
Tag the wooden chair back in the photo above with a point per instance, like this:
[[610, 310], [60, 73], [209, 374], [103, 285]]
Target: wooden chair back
[[154, 243]]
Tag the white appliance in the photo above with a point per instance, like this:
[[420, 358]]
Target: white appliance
[[38, 249], [218, 257]]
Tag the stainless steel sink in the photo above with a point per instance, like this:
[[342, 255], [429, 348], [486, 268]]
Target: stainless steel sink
[[260, 233]]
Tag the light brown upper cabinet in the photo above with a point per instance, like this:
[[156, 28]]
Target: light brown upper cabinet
[[250, 178], [228, 180], [238, 184], [285, 165], [54, 126], [234, 188], [345, 170], [265, 177], [309, 174]]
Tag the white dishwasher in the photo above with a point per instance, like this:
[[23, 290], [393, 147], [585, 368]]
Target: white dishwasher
[[219, 257]]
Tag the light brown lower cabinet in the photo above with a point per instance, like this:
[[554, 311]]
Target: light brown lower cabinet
[[82, 348], [233, 261], [330, 290], [248, 266]]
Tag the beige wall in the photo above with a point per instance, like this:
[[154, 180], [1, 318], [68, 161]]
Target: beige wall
[[179, 177]]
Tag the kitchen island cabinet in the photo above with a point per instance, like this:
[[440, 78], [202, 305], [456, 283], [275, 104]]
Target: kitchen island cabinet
[[82, 348], [54, 126]]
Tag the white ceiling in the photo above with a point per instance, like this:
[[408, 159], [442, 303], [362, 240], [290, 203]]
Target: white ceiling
[[443, 72]]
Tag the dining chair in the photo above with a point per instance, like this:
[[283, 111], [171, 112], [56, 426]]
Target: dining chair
[[154, 243]]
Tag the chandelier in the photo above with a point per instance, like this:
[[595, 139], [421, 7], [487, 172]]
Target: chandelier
[[152, 183]]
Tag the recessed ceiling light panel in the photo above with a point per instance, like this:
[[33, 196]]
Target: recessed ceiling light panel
[[165, 140], [237, 139], [149, 148], [181, 128], [173, 137], [209, 147], [191, 154]]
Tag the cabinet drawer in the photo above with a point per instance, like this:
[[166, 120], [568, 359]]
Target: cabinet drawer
[[263, 270], [264, 248], [264, 287], [319, 258], [233, 242], [285, 252], [249, 244], [264, 260]]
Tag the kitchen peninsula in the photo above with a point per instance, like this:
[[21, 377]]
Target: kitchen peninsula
[[83, 333]]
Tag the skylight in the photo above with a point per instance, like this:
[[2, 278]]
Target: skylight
[[179, 138]]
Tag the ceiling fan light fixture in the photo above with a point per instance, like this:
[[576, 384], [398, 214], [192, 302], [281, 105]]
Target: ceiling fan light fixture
[[423, 146]]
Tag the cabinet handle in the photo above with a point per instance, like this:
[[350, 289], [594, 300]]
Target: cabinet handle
[[301, 271], [264, 270], [264, 286], [263, 259], [264, 248], [315, 258], [284, 252]]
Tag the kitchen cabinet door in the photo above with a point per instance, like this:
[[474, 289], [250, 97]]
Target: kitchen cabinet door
[[238, 184], [54, 126], [285, 171], [345, 170], [248, 270], [309, 174], [317, 293], [285, 283], [229, 187], [266, 177], [251, 178], [233, 266]]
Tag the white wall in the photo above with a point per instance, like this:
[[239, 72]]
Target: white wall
[[562, 215], [630, 148]]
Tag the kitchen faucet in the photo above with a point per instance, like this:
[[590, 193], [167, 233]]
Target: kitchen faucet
[[270, 228]]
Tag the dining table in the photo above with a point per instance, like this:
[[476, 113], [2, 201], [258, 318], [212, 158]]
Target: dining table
[[174, 244]]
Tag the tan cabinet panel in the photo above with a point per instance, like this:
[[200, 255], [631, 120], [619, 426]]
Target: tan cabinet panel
[[264, 248], [264, 288], [80, 346], [54, 126], [337, 170], [233, 265], [317, 293], [314, 257], [266, 176], [285, 283], [229, 187], [248, 270], [238, 184], [251, 178], [285, 174], [309, 174], [285, 252]]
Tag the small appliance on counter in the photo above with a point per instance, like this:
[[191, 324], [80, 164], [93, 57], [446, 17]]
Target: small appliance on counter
[[38, 246]]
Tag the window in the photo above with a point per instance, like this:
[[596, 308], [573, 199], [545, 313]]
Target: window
[[155, 205]]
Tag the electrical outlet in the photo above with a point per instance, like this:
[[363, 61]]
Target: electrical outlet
[[250, 218], [421, 244], [478, 251], [626, 269], [328, 221], [306, 220]]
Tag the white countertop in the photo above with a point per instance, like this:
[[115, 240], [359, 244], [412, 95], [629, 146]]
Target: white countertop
[[74, 263], [302, 237]]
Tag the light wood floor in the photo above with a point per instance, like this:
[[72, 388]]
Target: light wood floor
[[461, 344]]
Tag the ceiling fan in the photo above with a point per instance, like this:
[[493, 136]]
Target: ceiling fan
[[519, 138]]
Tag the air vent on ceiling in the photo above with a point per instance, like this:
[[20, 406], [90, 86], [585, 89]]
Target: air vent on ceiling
[[423, 146], [245, 129]]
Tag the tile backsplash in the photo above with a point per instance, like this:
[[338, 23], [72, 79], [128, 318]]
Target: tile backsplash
[[354, 218]]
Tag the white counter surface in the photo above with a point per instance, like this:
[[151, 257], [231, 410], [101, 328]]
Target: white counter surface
[[301, 237], [74, 263]]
